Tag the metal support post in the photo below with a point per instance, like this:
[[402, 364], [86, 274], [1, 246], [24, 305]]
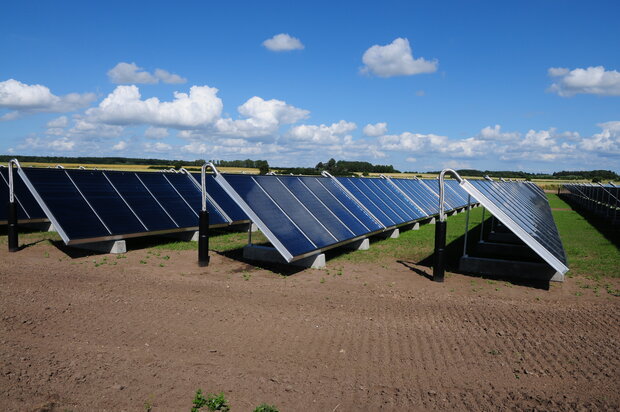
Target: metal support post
[[203, 224], [466, 225], [439, 267], [12, 230]]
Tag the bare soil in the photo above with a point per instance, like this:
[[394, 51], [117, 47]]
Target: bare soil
[[101, 333]]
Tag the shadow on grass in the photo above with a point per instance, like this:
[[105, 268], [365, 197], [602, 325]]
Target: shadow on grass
[[454, 252], [601, 224]]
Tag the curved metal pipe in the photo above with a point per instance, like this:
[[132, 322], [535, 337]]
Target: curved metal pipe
[[442, 216]]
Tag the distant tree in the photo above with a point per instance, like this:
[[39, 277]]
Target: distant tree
[[320, 166], [263, 167]]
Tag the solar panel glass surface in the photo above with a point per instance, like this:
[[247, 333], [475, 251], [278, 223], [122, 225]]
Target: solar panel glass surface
[[28, 210], [234, 212]]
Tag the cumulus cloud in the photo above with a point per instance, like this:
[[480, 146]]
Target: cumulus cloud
[[495, 133], [130, 73], [321, 134], [157, 147], [263, 118], [412, 142], [593, 80], [374, 130], [120, 146], [607, 142], [124, 106], [283, 42], [23, 98], [395, 59], [156, 132]]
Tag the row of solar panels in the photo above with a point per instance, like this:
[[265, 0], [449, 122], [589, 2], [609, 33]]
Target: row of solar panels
[[316, 212], [302, 215], [524, 209], [603, 200]]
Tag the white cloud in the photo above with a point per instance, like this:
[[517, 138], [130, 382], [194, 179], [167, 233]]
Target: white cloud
[[130, 73], [412, 142], [168, 77], [24, 98], [283, 42], [157, 147], [120, 146], [124, 106], [59, 122], [593, 80], [495, 133], [411, 159], [395, 59], [263, 118], [156, 133], [321, 134], [375, 130], [607, 142]]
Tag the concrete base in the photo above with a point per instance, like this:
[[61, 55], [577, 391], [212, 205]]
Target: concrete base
[[389, 234], [413, 226], [184, 236], [509, 268], [504, 249], [362, 244], [270, 254], [431, 221], [111, 246], [504, 238]]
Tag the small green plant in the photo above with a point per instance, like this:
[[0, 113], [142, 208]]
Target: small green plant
[[143, 262], [46, 254], [212, 402], [246, 276], [322, 280], [494, 352], [263, 407]]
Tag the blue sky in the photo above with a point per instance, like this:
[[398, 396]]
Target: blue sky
[[421, 85]]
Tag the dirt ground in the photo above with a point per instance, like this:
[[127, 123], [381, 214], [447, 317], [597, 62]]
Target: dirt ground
[[147, 329]]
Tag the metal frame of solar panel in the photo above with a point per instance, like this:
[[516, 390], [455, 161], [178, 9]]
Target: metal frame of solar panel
[[526, 214], [600, 199], [28, 210], [88, 206], [301, 216]]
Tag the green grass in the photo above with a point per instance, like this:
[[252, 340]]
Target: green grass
[[589, 252], [218, 241]]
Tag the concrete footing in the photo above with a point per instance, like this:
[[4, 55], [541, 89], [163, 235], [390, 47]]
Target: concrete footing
[[412, 226], [270, 254], [431, 221], [110, 246], [362, 244], [389, 234], [509, 268]]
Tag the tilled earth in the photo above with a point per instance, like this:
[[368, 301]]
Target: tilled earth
[[147, 329]]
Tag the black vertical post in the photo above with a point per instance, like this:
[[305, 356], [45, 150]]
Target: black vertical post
[[203, 238], [12, 228], [439, 267]]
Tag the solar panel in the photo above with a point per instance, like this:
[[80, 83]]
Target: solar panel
[[28, 210], [94, 205], [418, 193], [525, 213], [300, 215], [389, 206], [219, 197]]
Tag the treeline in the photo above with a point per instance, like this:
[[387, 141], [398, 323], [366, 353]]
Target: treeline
[[345, 167], [594, 175]]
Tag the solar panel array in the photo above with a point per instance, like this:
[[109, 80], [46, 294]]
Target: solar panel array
[[525, 212], [303, 215], [602, 200], [28, 210], [95, 205]]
